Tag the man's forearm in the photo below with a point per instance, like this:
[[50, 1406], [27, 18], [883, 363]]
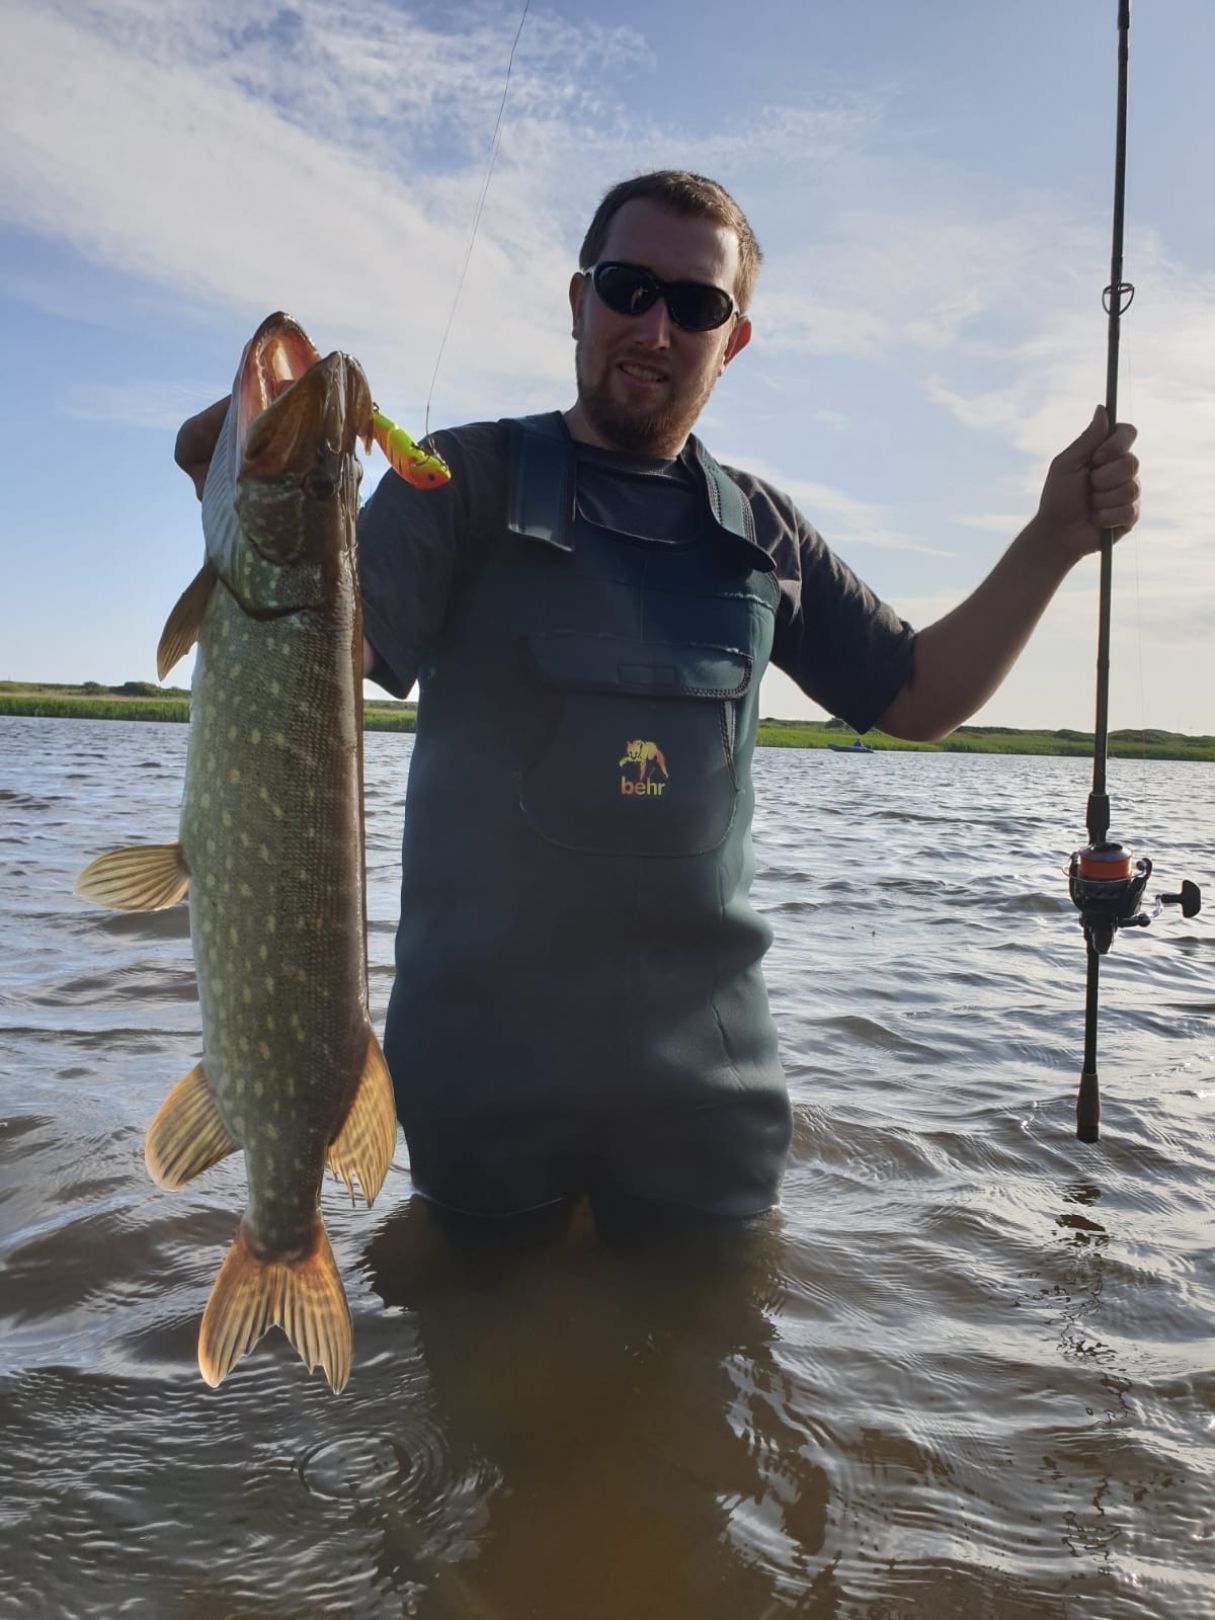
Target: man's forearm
[[961, 659]]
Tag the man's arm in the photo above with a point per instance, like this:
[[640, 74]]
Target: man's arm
[[961, 659]]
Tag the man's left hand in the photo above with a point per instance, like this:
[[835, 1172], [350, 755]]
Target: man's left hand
[[1092, 485]]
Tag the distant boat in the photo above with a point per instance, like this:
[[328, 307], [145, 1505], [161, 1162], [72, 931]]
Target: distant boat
[[856, 746]]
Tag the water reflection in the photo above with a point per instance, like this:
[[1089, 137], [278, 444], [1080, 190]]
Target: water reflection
[[618, 1400]]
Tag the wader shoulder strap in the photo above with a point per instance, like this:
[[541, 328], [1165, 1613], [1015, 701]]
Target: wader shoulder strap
[[731, 509], [540, 479], [725, 497]]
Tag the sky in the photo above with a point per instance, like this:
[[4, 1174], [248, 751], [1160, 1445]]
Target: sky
[[931, 184]]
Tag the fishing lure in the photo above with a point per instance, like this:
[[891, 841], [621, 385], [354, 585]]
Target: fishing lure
[[421, 468]]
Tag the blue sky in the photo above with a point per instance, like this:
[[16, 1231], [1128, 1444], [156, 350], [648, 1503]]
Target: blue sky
[[931, 184]]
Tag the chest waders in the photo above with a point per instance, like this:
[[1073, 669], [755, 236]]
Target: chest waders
[[579, 1005]]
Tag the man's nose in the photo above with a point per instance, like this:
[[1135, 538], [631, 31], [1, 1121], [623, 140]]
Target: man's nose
[[653, 326]]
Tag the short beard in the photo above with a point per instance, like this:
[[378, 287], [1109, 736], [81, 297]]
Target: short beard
[[639, 432]]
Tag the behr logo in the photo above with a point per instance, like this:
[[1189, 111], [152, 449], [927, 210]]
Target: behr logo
[[647, 757]]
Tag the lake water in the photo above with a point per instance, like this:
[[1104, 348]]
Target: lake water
[[968, 1370]]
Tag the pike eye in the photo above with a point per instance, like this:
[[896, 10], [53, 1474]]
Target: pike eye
[[319, 485]]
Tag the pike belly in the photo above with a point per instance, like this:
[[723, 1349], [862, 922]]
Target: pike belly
[[272, 834]]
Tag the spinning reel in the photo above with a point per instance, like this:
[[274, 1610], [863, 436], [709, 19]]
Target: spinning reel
[[1106, 885]]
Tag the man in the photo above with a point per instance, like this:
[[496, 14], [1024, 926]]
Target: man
[[589, 607]]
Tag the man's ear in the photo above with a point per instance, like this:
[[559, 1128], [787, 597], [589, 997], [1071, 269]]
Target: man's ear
[[577, 295], [737, 341]]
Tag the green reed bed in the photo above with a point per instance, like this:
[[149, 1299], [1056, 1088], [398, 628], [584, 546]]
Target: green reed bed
[[80, 708], [58, 704], [377, 717], [1148, 744], [141, 700]]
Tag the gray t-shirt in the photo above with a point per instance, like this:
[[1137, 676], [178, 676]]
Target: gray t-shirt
[[843, 647]]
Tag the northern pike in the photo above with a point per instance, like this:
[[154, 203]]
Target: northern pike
[[271, 853]]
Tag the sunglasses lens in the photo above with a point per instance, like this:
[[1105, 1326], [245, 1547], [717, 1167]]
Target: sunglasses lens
[[698, 307], [625, 290], [628, 289]]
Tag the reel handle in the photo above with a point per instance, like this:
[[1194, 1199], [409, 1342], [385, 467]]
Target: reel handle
[[1190, 899]]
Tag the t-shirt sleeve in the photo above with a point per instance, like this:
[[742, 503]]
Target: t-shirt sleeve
[[843, 646], [412, 543]]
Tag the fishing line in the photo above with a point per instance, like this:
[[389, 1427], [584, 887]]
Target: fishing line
[[495, 142], [1138, 794], [1143, 753]]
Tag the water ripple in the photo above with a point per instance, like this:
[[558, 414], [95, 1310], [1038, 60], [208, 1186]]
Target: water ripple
[[965, 1371]]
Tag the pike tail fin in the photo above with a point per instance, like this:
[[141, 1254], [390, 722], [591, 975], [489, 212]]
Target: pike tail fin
[[304, 1297]]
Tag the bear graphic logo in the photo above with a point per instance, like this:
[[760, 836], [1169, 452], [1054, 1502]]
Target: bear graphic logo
[[648, 758]]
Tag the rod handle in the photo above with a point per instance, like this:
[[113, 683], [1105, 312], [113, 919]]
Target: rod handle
[[1088, 1108]]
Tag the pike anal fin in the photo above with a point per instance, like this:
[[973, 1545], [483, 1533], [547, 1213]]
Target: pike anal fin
[[188, 1134], [184, 622], [147, 877], [304, 1297], [362, 1150]]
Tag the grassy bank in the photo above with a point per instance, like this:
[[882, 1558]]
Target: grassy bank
[[996, 740], [139, 700]]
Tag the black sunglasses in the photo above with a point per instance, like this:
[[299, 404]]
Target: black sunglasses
[[630, 289]]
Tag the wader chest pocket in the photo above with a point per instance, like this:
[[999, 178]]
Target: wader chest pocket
[[635, 751]]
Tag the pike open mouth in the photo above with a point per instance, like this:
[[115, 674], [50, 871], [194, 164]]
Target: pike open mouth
[[280, 425], [278, 354]]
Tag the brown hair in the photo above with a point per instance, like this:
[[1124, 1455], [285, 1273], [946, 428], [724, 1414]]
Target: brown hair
[[695, 197]]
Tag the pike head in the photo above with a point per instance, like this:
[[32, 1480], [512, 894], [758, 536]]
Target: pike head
[[281, 497]]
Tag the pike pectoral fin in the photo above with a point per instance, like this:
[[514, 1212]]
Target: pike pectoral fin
[[148, 877], [183, 624], [188, 1134], [362, 1150], [304, 1297]]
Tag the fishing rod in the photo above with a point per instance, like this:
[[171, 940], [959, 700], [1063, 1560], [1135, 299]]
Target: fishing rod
[[1105, 880]]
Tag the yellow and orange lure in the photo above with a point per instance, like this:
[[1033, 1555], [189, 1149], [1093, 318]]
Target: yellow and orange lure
[[421, 468]]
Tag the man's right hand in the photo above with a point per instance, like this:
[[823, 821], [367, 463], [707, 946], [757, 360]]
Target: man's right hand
[[196, 442]]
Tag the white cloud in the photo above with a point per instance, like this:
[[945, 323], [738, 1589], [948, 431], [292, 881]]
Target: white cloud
[[845, 520], [160, 406], [1002, 523], [891, 277], [246, 180], [327, 158], [1167, 361]]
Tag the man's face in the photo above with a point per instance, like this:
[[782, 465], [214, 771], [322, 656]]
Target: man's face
[[642, 380]]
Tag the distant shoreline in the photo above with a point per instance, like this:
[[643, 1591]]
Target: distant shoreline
[[138, 700]]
